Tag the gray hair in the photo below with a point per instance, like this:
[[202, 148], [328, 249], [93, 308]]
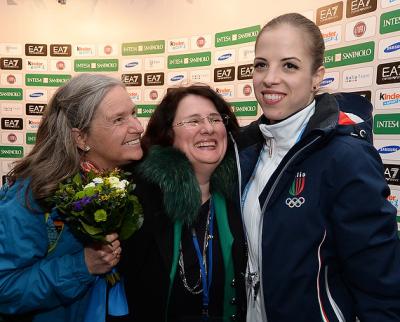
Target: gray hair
[[55, 155]]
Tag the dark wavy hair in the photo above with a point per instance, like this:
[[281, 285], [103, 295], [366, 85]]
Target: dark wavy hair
[[159, 129]]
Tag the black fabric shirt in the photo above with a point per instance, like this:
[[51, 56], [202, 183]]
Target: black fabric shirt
[[184, 305]]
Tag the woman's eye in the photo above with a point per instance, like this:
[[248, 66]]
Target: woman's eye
[[260, 65], [291, 66]]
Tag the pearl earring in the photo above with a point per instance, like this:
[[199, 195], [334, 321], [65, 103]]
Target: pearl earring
[[86, 148]]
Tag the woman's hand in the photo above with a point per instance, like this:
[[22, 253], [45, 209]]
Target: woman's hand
[[101, 258]]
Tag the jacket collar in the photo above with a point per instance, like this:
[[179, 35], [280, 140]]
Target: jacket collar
[[172, 172]]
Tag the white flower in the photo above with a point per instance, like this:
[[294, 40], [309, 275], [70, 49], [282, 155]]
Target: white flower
[[113, 181], [89, 185], [97, 180]]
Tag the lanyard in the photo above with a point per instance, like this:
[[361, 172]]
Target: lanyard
[[206, 277]]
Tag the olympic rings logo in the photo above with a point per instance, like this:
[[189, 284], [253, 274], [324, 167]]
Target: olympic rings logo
[[295, 202]]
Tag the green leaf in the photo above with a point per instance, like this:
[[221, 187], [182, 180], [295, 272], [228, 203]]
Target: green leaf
[[77, 179], [90, 229], [100, 215]]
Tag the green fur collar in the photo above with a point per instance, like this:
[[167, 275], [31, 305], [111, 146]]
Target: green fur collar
[[170, 169]]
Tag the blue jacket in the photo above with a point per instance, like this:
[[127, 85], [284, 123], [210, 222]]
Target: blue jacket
[[330, 249], [50, 285]]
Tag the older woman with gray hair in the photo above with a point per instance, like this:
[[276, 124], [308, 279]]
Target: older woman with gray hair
[[45, 272]]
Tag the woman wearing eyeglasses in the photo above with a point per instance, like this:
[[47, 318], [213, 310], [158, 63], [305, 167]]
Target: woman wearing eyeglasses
[[187, 261]]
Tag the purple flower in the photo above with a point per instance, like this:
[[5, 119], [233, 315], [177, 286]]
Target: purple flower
[[79, 204]]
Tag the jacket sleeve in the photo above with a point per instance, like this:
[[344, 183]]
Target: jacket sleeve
[[31, 280], [365, 232]]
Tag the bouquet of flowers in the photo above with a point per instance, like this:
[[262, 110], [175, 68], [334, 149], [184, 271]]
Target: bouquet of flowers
[[95, 204]]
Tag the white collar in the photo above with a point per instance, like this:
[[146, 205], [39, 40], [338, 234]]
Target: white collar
[[287, 132]]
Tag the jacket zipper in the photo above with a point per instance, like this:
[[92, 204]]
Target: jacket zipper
[[264, 313]]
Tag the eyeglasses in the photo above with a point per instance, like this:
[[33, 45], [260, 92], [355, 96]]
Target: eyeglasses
[[213, 119]]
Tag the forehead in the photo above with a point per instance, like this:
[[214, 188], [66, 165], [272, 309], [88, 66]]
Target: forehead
[[194, 104], [285, 39], [116, 101]]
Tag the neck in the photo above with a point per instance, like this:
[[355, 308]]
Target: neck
[[204, 184]]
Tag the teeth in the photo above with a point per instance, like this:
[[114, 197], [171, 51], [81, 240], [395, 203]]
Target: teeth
[[133, 142], [205, 144], [273, 96]]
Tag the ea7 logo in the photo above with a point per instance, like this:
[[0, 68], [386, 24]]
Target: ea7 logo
[[392, 174], [330, 13], [224, 74], [11, 124], [388, 73], [60, 50], [360, 7], [153, 79], [132, 79], [11, 63], [35, 49], [35, 109], [245, 71]]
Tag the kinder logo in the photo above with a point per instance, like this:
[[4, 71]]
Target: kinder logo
[[35, 109], [12, 124], [153, 79], [332, 35], [36, 65], [132, 79], [178, 44], [245, 72], [392, 174], [85, 50], [360, 77], [330, 13], [225, 74], [135, 95], [225, 91], [394, 199], [33, 124], [387, 98], [360, 7], [388, 73], [35, 50], [11, 63], [60, 50]]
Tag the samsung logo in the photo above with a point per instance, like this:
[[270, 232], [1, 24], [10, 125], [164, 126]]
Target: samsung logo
[[327, 81], [37, 94], [389, 149], [392, 48], [224, 57], [132, 64], [177, 78]]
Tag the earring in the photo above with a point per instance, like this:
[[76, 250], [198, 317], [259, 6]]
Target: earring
[[86, 148]]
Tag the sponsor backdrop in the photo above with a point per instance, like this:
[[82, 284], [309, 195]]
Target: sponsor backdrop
[[362, 39]]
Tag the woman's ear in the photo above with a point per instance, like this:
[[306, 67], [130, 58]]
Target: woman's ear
[[318, 77], [79, 138]]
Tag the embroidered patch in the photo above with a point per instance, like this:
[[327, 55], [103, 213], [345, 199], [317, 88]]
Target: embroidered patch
[[54, 230], [295, 190]]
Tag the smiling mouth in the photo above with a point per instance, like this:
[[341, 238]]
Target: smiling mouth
[[133, 142], [273, 98], [206, 144]]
